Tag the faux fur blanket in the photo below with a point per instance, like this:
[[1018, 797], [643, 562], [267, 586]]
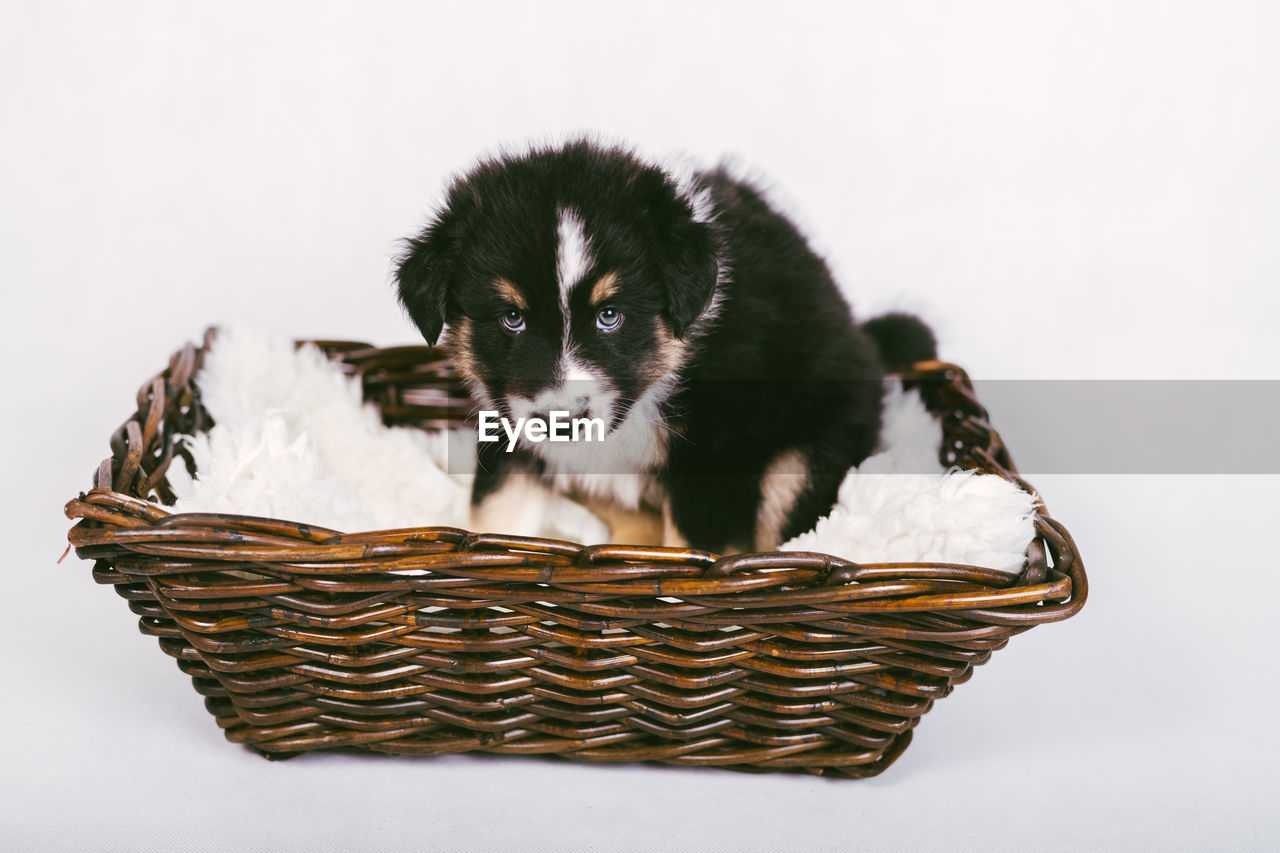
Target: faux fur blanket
[[293, 440]]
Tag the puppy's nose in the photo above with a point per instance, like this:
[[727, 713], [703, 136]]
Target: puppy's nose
[[572, 412]]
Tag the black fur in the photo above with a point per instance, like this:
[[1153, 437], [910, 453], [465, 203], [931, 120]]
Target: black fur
[[773, 363], [902, 340]]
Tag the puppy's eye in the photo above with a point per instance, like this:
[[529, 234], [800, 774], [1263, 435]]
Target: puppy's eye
[[608, 319], [513, 321]]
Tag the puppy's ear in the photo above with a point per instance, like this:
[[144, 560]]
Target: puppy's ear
[[423, 276], [688, 251], [691, 266]]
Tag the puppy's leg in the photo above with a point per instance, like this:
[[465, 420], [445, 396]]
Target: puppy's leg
[[518, 505], [567, 519], [714, 512], [671, 536], [828, 461], [626, 526], [844, 437], [510, 496], [507, 495], [783, 482]]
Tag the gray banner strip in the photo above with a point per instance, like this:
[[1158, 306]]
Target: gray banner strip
[[1227, 427], [1137, 426]]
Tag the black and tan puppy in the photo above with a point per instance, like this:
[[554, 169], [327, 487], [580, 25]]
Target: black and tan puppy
[[687, 316]]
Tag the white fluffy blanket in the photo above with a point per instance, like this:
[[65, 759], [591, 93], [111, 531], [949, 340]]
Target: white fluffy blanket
[[293, 440]]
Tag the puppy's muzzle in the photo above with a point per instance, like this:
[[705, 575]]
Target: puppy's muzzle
[[580, 398]]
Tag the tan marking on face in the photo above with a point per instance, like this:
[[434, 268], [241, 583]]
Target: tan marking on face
[[606, 287], [671, 354], [511, 293], [464, 359]]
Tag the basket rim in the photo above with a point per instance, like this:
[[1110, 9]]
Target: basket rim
[[112, 518]]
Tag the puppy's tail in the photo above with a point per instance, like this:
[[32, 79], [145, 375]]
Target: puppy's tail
[[902, 339]]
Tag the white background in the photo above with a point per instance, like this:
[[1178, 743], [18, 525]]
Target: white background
[[1074, 190]]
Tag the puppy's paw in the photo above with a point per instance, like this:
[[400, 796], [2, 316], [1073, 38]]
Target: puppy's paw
[[519, 507], [671, 535], [567, 519]]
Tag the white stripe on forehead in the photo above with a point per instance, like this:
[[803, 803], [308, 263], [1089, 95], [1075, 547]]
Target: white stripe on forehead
[[573, 369], [573, 253]]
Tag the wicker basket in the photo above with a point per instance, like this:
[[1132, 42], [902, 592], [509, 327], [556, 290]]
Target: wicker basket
[[302, 638]]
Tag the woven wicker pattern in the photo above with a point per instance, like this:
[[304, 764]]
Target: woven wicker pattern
[[438, 640]]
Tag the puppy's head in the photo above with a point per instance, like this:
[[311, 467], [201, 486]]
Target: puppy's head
[[570, 279]]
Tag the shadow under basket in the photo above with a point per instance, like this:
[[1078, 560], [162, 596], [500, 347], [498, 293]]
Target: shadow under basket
[[302, 638]]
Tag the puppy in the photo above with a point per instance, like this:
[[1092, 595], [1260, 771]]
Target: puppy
[[688, 317]]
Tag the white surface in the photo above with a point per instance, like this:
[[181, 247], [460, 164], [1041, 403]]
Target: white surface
[[1068, 190]]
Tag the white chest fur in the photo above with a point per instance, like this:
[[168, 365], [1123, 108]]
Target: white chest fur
[[621, 467]]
